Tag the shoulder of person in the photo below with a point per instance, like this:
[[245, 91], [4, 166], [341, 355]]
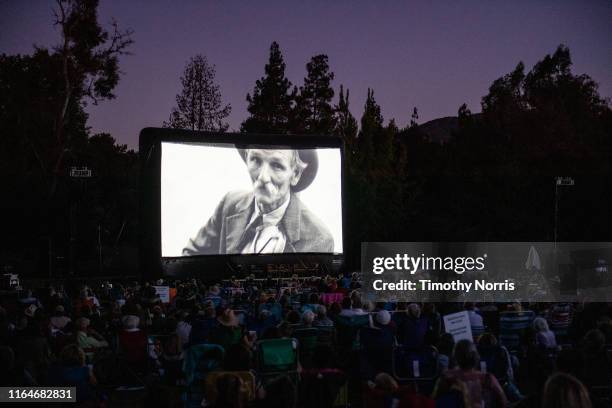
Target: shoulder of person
[[235, 201], [488, 380]]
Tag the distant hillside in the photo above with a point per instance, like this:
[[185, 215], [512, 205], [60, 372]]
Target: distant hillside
[[439, 130]]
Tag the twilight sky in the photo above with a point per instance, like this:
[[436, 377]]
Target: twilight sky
[[412, 53]]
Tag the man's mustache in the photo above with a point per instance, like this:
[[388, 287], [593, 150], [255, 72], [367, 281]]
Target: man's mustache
[[267, 187]]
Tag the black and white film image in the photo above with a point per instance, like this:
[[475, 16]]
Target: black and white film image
[[217, 199]]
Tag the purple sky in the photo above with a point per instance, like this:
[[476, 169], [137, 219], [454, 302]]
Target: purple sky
[[412, 53]]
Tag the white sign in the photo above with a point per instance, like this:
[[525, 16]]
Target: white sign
[[565, 181], [80, 172], [163, 292], [458, 324]]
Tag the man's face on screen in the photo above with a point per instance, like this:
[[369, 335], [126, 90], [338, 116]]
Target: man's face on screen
[[273, 172]]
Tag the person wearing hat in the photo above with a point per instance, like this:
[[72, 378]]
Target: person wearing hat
[[227, 332], [270, 218]]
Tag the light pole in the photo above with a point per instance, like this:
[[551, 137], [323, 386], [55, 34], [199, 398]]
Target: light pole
[[82, 174], [559, 182]]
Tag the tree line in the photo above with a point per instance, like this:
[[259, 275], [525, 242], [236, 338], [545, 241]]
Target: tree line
[[491, 180]]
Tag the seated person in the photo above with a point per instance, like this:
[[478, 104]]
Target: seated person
[[564, 390], [377, 345], [445, 351], [385, 392], [158, 321], [481, 389], [230, 392], [412, 330], [59, 320], [321, 319], [320, 384], [88, 339], [228, 331], [264, 320], [171, 360], [597, 363], [544, 337], [183, 327], [202, 325], [133, 342], [12, 374], [71, 371], [307, 319], [476, 321], [352, 306], [279, 393]]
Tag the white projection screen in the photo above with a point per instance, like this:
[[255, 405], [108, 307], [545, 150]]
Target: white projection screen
[[220, 200]]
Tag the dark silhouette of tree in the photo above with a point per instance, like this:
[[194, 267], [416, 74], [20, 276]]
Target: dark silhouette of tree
[[371, 128], [345, 122], [464, 115], [414, 119], [89, 57], [199, 105], [313, 112], [42, 100], [271, 103], [504, 103]]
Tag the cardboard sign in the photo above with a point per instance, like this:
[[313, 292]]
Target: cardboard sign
[[163, 292], [458, 324]]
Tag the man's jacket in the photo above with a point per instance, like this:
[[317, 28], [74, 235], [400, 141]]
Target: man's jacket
[[224, 232]]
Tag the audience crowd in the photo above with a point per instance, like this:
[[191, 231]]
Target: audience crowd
[[298, 342]]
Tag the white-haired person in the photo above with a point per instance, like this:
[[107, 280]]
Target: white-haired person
[[88, 339], [412, 329], [322, 320], [544, 337], [132, 342], [308, 318]]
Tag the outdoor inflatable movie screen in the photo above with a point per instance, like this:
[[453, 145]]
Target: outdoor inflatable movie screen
[[239, 194]]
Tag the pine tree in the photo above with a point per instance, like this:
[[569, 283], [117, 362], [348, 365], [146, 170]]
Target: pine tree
[[345, 122], [371, 126], [199, 105], [414, 119], [271, 103], [386, 151], [314, 112], [464, 115]]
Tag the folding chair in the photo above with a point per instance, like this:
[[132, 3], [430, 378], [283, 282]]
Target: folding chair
[[376, 351], [277, 357], [560, 320], [494, 360], [247, 377], [512, 328], [418, 366], [477, 331], [200, 360], [307, 341], [348, 329], [326, 335], [324, 389], [601, 396]]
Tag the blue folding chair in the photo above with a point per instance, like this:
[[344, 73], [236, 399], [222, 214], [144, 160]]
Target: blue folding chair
[[512, 328]]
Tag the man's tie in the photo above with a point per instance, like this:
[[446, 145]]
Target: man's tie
[[251, 231]]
